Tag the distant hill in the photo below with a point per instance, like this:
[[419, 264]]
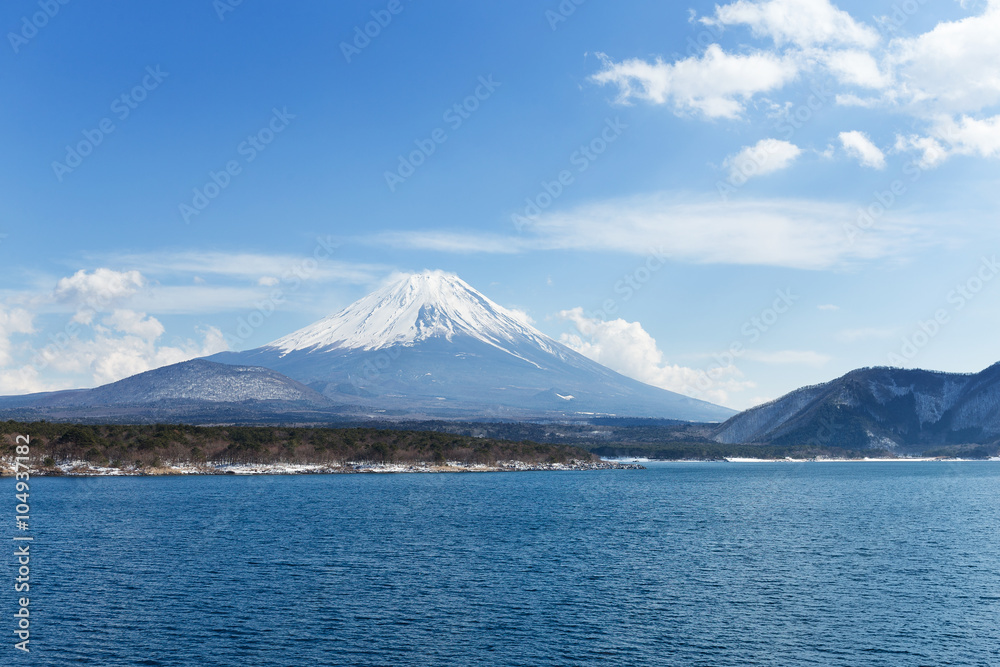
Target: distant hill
[[883, 408], [179, 392]]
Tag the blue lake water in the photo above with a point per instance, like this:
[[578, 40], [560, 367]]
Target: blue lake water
[[680, 564]]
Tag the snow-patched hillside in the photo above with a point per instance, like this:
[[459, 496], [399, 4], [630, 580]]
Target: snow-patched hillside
[[415, 308], [885, 406], [195, 380], [196, 391]]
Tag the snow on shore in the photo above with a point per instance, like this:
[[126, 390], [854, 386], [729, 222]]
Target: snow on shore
[[83, 468]]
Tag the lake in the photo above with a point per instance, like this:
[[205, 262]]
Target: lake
[[888, 563]]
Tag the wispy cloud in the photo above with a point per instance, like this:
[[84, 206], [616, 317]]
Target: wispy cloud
[[460, 242], [790, 233], [251, 267]]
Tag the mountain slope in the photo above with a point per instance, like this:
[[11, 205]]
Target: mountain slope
[[430, 345], [180, 390], [878, 407], [415, 309]]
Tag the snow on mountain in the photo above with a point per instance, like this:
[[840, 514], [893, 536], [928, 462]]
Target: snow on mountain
[[413, 309], [201, 380], [429, 345]]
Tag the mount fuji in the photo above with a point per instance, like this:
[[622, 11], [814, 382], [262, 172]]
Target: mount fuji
[[431, 346]]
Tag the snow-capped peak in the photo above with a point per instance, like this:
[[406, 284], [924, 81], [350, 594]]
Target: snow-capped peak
[[414, 308]]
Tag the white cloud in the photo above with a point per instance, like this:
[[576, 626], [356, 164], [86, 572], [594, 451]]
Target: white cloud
[[717, 84], [451, 241], [17, 381], [100, 288], [852, 100], [12, 321], [259, 267], [764, 157], [627, 348], [971, 136], [117, 357], [125, 343], [828, 306], [932, 153], [856, 68], [947, 78], [201, 299], [948, 137], [172, 283], [805, 23], [789, 233], [860, 147], [136, 324], [90, 349], [953, 68]]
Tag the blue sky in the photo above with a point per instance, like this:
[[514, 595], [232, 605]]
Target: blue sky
[[708, 235]]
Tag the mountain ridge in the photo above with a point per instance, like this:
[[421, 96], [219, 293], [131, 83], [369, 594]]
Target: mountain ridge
[[878, 407]]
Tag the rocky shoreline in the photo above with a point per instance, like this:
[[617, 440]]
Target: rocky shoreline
[[85, 469]]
